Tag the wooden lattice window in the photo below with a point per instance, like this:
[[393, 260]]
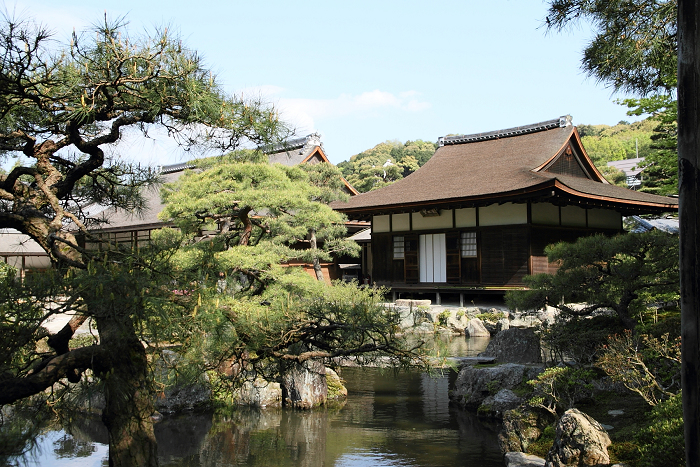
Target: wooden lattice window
[[399, 247], [468, 244]]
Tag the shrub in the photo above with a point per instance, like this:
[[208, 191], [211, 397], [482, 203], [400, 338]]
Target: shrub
[[646, 365], [662, 442], [559, 388], [491, 316], [544, 443], [443, 318], [580, 338]]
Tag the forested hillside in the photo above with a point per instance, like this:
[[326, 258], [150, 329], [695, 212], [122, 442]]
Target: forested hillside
[[385, 163]]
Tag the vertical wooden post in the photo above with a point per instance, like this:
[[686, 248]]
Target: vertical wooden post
[[689, 202]]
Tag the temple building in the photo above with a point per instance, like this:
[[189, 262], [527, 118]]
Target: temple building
[[477, 216]]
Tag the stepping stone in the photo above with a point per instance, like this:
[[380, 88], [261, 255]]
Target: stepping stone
[[615, 413]]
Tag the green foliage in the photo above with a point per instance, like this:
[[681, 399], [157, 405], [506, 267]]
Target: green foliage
[[579, 339], [493, 387], [605, 143], [649, 366], [443, 318], [318, 322], [662, 441], [491, 316], [635, 43], [661, 163], [543, 444], [613, 175], [557, 389], [625, 273], [386, 163], [624, 452], [269, 210]]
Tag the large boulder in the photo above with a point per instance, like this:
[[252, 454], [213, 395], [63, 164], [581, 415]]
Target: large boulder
[[496, 405], [336, 389], [520, 459], [521, 427], [475, 328], [258, 392], [304, 385], [515, 345], [579, 441], [476, 383]]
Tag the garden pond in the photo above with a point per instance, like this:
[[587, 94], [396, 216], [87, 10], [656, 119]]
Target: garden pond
[[389, 419]]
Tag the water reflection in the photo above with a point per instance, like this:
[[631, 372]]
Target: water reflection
[[390, 419]]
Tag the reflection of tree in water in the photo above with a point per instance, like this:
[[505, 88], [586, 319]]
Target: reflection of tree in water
[[68, 446], [180, 438], [267, 438]]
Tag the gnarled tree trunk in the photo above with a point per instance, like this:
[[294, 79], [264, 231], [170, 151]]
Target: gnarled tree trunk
[[129, 396]]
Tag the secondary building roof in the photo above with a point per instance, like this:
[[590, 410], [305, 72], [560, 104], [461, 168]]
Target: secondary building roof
[[305, 150], [541, 162]]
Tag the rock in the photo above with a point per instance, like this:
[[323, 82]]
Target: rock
[[502, 324], [579, 440], [179, 397], [521, 427], [548, 315], [494, 406], [412, 317], [515, 345], [525, 321], [474, 383], [475, 328], [520, 459], [336, 388], [304, 385], [615, 413], [412, 303], [183, 397], [258, 393]]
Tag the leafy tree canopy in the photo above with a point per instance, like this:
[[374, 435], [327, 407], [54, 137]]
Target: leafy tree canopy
[[625, 273], [635, 43], [63, 108], [386, 163]]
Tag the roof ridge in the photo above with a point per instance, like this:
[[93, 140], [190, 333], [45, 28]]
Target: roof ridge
[[291, 144], [165, 169], [563, 121]]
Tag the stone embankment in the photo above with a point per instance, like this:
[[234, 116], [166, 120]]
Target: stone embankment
[[474, 321], [493, 389]]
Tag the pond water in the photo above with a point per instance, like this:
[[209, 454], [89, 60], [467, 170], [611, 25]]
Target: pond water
[[389, 419]]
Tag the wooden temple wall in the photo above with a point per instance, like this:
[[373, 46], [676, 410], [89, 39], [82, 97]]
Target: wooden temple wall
[[506, 242]]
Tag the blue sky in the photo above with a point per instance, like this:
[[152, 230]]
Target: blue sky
[[364, 72]]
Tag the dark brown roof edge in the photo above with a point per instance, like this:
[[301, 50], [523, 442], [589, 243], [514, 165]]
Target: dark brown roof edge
[[563, 121], [500, 197]]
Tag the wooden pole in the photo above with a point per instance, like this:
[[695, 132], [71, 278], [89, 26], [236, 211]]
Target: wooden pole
[[689, 201]]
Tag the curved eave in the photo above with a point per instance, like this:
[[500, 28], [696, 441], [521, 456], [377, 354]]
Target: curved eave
[[631, 204], [547, 191]]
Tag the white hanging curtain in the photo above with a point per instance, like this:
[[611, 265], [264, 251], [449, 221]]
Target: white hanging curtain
[[432, 258]]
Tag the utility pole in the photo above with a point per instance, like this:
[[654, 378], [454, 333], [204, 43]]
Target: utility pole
[[689, 203]]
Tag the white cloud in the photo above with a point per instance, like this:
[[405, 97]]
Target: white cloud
[[304, 112]]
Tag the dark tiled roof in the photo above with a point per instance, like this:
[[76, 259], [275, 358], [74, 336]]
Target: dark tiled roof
[[489, 169], [293, 152], [119, 219]]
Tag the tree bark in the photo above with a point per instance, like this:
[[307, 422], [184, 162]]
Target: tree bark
[[317, 264], [689, 201], [129, 396]]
